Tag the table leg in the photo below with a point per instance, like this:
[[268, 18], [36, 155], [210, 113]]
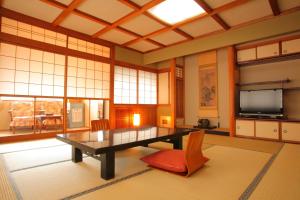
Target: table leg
[[76, 155], [177, 143], [108, 165]]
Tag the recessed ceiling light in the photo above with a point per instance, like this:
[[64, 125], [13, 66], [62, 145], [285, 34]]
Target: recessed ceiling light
[[173, 11]]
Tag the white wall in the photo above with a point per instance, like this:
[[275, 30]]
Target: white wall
[[191, 90], [223, 88]]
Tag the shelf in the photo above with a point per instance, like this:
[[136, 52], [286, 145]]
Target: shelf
[[266, 82], [269, 60]]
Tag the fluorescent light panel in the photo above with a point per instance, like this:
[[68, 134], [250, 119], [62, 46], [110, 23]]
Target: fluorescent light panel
[[174, 11]]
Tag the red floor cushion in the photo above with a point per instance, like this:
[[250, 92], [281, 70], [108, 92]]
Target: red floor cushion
[[170, 160]]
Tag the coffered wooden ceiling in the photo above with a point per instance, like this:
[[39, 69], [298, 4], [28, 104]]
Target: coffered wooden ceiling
[[128, 22]]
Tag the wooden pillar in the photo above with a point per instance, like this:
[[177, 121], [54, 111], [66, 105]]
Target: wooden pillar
[[173, 91], [112, 114], [232, 89]]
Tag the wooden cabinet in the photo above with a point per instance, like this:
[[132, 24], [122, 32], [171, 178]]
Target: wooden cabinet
[[291, 46], [246, 54], [290, 131], [245, 128], [269, 50], [267, 129]]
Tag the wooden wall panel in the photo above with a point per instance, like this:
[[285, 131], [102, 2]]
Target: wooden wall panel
[[124, 113]]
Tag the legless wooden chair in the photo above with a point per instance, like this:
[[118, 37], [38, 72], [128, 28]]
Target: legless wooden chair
[[100, 124], [179, 161]]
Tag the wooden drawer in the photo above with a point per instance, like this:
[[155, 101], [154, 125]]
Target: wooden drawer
[[291, 46], [245, 127], [290, 131], [246, 54], [269, 50], [266, 129]]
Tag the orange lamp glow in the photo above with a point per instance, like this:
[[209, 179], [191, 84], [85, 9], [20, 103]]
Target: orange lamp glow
[[136, 119]]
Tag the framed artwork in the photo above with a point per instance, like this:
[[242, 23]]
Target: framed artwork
[[208, 87]]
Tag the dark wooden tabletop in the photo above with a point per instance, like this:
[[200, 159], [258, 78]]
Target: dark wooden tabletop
[[118, 139]]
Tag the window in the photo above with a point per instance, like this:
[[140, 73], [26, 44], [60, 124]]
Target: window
[[25, 71], [28, 31], [49, 115], [125, 84], [88, 78], [147, 87], [88, 47]]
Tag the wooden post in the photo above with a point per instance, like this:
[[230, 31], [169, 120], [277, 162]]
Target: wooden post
[[232, 90]]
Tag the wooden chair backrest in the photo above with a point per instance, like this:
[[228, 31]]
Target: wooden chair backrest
[[193, 154], [100, 124]]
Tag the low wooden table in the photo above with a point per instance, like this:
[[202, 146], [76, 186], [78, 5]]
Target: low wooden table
[[102, 145]]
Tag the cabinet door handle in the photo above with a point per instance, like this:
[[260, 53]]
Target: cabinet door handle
[[237, 127], [275, 130], [284, 131]]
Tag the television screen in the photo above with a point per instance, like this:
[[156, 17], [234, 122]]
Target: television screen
[[261, 101]]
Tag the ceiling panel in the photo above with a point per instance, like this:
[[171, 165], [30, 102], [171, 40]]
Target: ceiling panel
[[201, 27], [35, 8], [287, 4], [66, 2], [217, 3], [142, 25], [110, 11], [168, 37], [141, 2], [254, 9], [81, 24], [143, 46], [117, 36]]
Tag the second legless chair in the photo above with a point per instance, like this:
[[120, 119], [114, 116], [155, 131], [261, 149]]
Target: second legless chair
[[100, 124], [186, 162]]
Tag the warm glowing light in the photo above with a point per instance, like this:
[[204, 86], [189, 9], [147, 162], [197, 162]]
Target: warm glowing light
[[173, 11], [136, 119]]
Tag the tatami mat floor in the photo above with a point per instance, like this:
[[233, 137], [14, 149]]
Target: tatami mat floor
[[43, 170]]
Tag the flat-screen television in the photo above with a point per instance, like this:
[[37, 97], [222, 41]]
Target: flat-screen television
[[261, 102]]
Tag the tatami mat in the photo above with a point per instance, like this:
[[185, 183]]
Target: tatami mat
[[35, 157], [67, 178], [7, 191], [42, 170], [243, 143], [282, 181], [225, 176], [28, 145]]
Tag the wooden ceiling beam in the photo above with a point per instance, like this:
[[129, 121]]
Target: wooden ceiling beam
[[137, 7], [215, 11], [95, 19], [274, 7], [76, 12], [128, 17], [216, 17], [139, 36], [74, 4]]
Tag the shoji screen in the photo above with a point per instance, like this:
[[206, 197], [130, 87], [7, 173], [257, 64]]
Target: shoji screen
[[125, 83], [28, 31], [25, 71], [88, 47], [88, 78], [147, 87]]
